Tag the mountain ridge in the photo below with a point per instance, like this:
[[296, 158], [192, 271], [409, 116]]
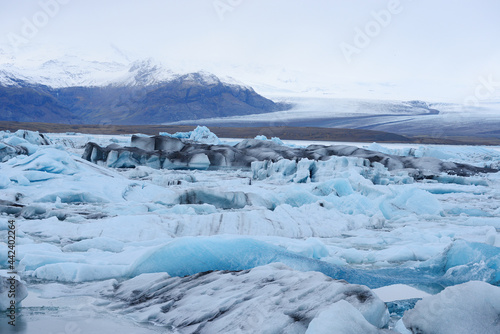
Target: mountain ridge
[[143, 92]]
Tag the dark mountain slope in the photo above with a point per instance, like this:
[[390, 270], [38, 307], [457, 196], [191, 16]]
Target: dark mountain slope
[[191, 96]]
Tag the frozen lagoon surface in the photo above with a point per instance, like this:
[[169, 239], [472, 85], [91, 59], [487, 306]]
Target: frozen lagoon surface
[[357, 248]]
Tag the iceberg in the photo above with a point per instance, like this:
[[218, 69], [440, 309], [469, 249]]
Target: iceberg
[[189, 256], [8, 151], [462, 261], [341, 317], [176, 153], [471, 307], [200, 134], [271, 298]]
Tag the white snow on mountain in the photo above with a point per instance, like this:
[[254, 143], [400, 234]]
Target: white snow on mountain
[[66, 69], [73, 71]]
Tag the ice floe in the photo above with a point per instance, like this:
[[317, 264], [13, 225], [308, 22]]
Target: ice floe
[[424, 220]]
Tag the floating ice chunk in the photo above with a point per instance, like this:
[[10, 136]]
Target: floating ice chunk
[[101, 243], [8, 151], [413, 200], [79, 272], [341, 317], [15, 141], [463, 261], [34, 256], [22, 145], [472, 261], [222, 200], [112, 159], [4, 181], [297, 197], [33, 137], [280, 169], [472, 307], [379, 148], [306, 170], [188, 256], [275, 140], [312, 248], [11, 283], [493, 237], [172, 150], [462, 180], [154, 162], [340, 187], [267, 299], [203, 135], [400, 328], [122, 160], [200, 134], [49, 160]]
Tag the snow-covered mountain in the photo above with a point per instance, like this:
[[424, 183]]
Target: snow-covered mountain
[[80, 90], [71, 71]]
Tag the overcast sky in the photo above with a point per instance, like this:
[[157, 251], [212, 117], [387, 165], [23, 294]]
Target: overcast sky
[[421, 47]]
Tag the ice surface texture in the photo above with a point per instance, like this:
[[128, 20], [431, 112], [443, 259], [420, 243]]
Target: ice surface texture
[[266, 299]]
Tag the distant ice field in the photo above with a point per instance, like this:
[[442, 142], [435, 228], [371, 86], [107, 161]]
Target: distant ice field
[[410, 118]]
